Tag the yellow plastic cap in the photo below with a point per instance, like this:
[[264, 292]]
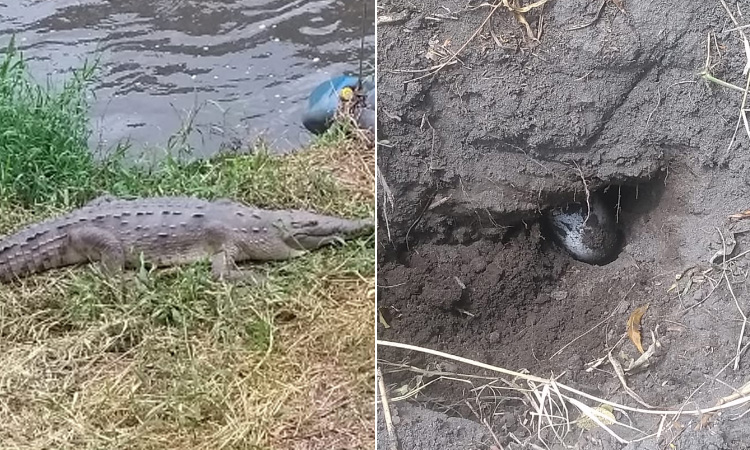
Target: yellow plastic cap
[[346, 93]]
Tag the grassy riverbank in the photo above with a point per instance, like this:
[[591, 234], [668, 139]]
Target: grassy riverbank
[[172, 359]]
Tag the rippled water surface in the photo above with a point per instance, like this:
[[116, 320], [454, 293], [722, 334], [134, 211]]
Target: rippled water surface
[[246, 66]]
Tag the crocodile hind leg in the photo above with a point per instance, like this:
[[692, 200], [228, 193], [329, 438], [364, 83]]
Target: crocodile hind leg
[[98, 245]]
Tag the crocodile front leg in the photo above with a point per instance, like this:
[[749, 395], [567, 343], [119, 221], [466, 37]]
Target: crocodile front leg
[[224, 267]]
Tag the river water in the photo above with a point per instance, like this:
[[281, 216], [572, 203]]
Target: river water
[[234, 69]]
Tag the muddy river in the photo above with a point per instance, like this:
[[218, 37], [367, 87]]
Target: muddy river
[[234, 69]]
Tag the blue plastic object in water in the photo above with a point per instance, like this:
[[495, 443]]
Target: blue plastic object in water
[[324, 101]]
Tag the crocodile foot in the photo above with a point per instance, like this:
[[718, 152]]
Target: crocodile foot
[[223, 267]]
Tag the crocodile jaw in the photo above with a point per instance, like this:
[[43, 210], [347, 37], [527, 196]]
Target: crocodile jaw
[[325, 231]]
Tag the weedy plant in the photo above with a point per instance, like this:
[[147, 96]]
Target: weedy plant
[[43, 135]]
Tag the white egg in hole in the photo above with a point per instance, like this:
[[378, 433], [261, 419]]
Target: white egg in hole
[[588, 232]]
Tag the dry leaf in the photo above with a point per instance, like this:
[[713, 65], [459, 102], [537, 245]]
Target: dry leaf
[[381, 318], [522, 20], [621, 376], [634, 326], [519, 11], [643, 362], [523, 9]]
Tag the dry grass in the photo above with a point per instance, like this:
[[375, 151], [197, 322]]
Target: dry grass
[[337, 411], [353, 168], [553, 408], [178, 361]]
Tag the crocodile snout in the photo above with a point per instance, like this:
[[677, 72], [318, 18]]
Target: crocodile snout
[[327, 232]]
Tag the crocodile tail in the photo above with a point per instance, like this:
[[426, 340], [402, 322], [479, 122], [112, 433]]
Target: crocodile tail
[[31, 251]]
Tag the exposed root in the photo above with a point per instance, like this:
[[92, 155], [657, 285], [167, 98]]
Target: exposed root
[[586, 191], [549, 400], [706, 74], [736, 302], [743, 36], [392, 438], [387, 199], [593, 21], [451, 58]]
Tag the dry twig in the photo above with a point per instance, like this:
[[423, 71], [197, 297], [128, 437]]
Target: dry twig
[[517, 11], [586, 191], [387, 199], [393, 439], [736, 302], [544, 381]]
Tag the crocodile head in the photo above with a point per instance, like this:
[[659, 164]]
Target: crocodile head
[[303, 230]]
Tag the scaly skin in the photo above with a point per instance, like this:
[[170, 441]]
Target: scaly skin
[[170, 231]]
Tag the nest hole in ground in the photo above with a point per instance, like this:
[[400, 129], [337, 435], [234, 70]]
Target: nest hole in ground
[[512, 300]]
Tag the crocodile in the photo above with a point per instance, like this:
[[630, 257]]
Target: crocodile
[[167, 231]]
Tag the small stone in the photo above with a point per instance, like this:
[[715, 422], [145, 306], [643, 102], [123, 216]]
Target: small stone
[[559, 295], [494, 337]]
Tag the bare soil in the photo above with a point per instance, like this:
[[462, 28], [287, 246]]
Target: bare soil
[[473, 157]]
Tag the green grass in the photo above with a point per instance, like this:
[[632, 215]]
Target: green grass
[[46, 161], [169, 358], [43, 136]]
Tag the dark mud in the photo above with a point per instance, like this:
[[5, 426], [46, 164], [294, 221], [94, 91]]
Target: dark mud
[[422, 428], [475, 155]]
